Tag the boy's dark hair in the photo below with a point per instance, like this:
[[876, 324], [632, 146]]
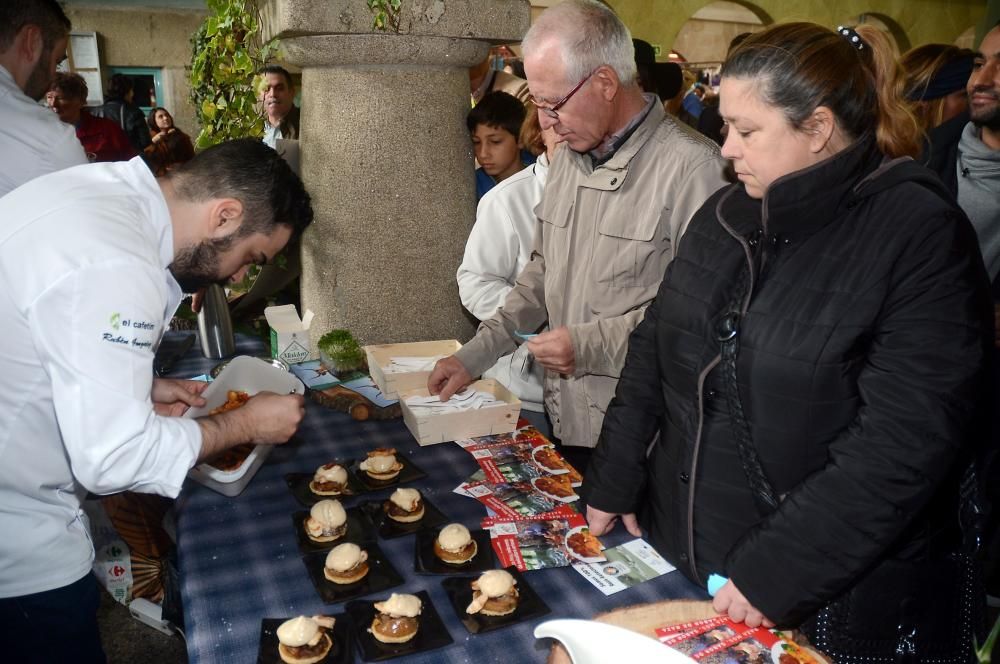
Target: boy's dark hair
[[119, 85], [497, 109], [281, 71], [254, 174], [48, 15]]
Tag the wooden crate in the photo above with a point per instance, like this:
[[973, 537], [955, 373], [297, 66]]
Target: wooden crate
[[431, 429], [393, 384]]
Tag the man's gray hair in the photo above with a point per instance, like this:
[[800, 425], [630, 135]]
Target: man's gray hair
[[589, 35]]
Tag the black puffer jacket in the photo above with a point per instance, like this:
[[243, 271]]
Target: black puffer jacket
[[859, 367]]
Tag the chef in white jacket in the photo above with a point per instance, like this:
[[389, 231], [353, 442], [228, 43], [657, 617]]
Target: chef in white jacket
[[93, 263], [498, 249]]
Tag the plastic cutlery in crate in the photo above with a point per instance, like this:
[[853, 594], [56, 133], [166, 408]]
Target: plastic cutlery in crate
[[242, 374]]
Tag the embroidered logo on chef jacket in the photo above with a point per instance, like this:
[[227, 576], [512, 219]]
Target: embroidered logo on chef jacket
[[132, 332]]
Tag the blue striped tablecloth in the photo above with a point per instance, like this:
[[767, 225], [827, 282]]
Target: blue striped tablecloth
[[239, 560]]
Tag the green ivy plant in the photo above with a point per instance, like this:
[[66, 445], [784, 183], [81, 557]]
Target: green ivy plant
[[227, 52], [385, 14]]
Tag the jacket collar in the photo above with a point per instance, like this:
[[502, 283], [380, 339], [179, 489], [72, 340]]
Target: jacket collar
[[611, 174], [801, 203]]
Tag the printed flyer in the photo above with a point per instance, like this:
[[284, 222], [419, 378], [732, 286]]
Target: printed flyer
[[627, 565], [540, 543]]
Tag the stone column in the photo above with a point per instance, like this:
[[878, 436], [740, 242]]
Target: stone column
[[386, 156]]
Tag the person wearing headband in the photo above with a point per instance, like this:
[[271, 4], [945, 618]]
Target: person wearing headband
[[936, 75], [796, 413]]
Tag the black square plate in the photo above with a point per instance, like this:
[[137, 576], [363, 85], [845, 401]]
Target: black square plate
[[359, 531], [381, 576], [529, 605], [342, 634], [426, 562], [410, 472], [298, 484], [431, 635], [390, 528]]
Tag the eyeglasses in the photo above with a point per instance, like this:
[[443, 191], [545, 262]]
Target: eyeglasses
[[553, 110]]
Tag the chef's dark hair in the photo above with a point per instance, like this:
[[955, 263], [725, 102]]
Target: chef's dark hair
[[48, 15], [797, 67], [254, 174]]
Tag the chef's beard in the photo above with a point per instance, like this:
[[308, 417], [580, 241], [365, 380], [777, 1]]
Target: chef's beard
[[196, 267]]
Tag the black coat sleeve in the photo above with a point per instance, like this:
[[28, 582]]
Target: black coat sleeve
[[616, 476], [918, 388]]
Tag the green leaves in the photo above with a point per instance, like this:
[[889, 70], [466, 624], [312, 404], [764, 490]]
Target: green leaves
[[385, 14], [226, 54]]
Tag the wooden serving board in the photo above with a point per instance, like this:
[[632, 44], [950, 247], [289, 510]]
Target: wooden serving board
[[356, 405]]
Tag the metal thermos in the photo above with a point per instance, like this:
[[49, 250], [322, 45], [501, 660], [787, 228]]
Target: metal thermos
[[215, 327]]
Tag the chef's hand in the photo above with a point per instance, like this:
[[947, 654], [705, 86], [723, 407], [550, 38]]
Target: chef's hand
[[448, 377], [273, 418], [553, 349], [196, 299], [172, 397], [601, 522], [731, 601]]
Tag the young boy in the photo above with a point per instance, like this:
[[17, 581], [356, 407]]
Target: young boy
[[494, 124]]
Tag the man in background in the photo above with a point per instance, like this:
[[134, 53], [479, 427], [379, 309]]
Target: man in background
[[618, 197], [33, 39], [281, 113], [118, 108]]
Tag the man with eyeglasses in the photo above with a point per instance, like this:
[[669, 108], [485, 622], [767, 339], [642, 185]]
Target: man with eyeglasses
[[617, 199]]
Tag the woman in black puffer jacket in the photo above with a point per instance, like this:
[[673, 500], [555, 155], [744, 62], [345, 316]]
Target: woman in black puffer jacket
[[813, 365]]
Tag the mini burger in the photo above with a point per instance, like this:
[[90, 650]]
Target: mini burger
[[381, 464], [329, 480], [347, 563], [454, 545], [396, 619], [493, 594], [326, 522], [304, 640], [405, 506]]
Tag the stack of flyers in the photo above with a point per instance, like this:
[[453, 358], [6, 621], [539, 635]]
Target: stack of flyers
[[519, 499], [540, 542], [719, 640]]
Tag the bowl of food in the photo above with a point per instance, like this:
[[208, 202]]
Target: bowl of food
[[230, 472]]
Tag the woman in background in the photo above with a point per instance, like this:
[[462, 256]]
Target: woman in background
[[936, 75], [170, 146], [807, 380]]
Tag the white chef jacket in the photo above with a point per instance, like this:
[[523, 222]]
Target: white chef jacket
[[85, 296], [498, 248], [33, 140]]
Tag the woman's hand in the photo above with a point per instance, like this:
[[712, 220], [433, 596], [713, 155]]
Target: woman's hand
[[731, 601], [172, 397], [601, 522]]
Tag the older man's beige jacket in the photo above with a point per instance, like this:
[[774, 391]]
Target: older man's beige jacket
[[605, 237]]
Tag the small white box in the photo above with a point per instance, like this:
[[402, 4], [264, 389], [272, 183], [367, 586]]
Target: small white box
[[250, 375], [430, 429], [393, 384], [290, 339]]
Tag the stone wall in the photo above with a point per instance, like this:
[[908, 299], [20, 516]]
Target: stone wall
[[144, 37]]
